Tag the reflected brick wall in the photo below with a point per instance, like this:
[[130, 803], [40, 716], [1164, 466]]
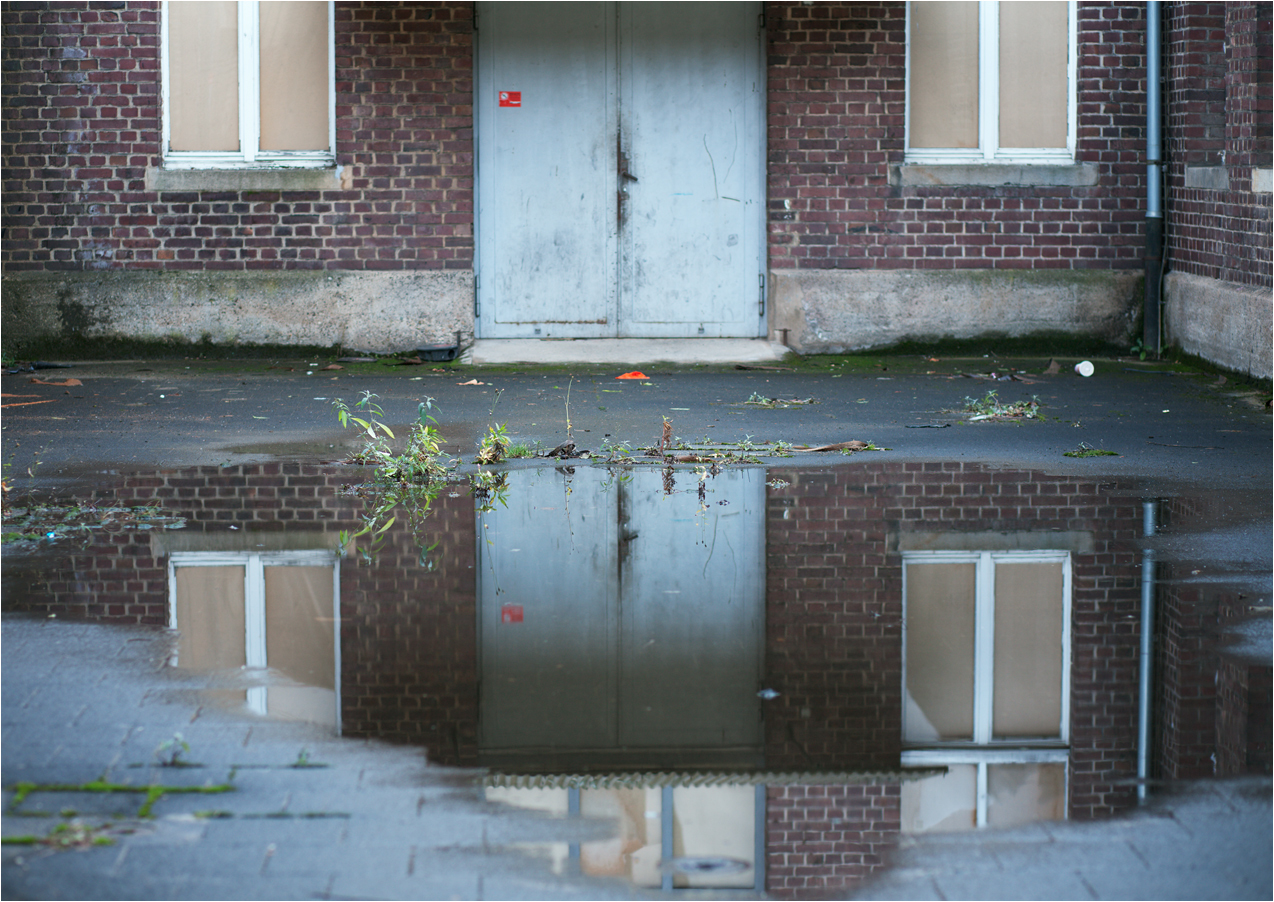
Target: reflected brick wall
[[122, 576], [834, 644], [409, 644], [821, 839], [1212, 713]]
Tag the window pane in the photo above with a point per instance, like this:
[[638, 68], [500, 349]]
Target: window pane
[[944, 75], [1028, 650], [1024, 793], [210, 617], [944, 804], [940, 600], [715, 822], [636, 850], [1034, 38], [294, 77], [300, 624], [203, 76]]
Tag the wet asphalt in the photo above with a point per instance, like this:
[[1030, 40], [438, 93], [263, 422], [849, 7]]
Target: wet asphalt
[[84, 702]]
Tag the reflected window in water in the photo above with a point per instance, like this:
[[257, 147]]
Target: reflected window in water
[[270, 610], [669, 837], [986, 666]]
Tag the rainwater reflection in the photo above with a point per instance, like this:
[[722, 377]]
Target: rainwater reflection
[[763, 677]]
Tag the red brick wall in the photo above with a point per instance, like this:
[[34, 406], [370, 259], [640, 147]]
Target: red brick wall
[[1217, 64], [116, 575], [820, 839], [833, 622], [409, 651], [837, 74], [81, 105]]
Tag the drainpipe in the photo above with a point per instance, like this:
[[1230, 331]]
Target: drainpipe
[[1154, 183], [1145, 664]]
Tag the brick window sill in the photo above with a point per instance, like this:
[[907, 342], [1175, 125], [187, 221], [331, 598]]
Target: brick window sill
[[328, 179], [994, 175]]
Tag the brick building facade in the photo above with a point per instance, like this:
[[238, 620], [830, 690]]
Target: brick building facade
[[835, 544], [864, 241]]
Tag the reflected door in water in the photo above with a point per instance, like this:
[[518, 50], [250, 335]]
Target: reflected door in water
[[616, 616]]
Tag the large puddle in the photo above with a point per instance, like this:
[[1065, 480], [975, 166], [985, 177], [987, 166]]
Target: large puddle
[[757, 673]]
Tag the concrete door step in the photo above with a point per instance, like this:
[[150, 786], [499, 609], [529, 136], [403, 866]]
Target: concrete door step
[[623, 351]]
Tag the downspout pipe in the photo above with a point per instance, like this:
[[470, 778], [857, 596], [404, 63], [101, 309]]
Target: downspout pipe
[[1145, 661], [1154, 182]]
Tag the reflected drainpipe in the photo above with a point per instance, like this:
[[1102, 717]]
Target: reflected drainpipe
[[1145, 663], [1154, 183]]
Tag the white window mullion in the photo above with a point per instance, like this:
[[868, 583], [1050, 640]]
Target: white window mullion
[[982, 794], [336, 632], [249, 80], [1072, 85], [164, 85], [1067, 587], [254, 612], [254, 630], [331, 119], [984, 649], [989, 78]]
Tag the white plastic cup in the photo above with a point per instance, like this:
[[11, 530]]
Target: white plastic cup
[[1084, 368]]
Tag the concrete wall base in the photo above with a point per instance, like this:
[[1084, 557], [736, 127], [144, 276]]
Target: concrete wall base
[[372, 311], [833, 311], [1227, 324]]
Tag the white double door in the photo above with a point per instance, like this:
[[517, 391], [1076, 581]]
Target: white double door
[[620, 170]]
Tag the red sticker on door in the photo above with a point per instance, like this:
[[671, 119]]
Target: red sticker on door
[[511, 613], [511, 98]]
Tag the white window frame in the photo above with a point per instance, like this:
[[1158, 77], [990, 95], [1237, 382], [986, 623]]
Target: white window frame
[[989, 150], [984, 759], [250, 155], [984, 750], [984, 642], [254, 645]]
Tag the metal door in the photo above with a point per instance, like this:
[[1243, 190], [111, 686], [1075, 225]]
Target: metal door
[[620, 170]]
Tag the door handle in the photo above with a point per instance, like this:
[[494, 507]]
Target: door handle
[[629, 176]]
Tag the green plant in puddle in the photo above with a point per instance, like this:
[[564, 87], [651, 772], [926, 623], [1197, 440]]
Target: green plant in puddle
[[422, 458], [991, 407], [1087, 450], [494, 445], [488, 489]]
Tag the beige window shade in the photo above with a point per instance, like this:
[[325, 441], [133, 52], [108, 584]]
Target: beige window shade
[[210, 617], [940, 651], [1034, 38], [300, 624], [294, 76], [944, 75], [1028, 651], [203, 76]]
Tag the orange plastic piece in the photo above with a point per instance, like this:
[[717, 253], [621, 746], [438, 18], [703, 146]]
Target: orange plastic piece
[[635, 374]]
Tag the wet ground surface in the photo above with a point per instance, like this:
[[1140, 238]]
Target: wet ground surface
[[738, 667]]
